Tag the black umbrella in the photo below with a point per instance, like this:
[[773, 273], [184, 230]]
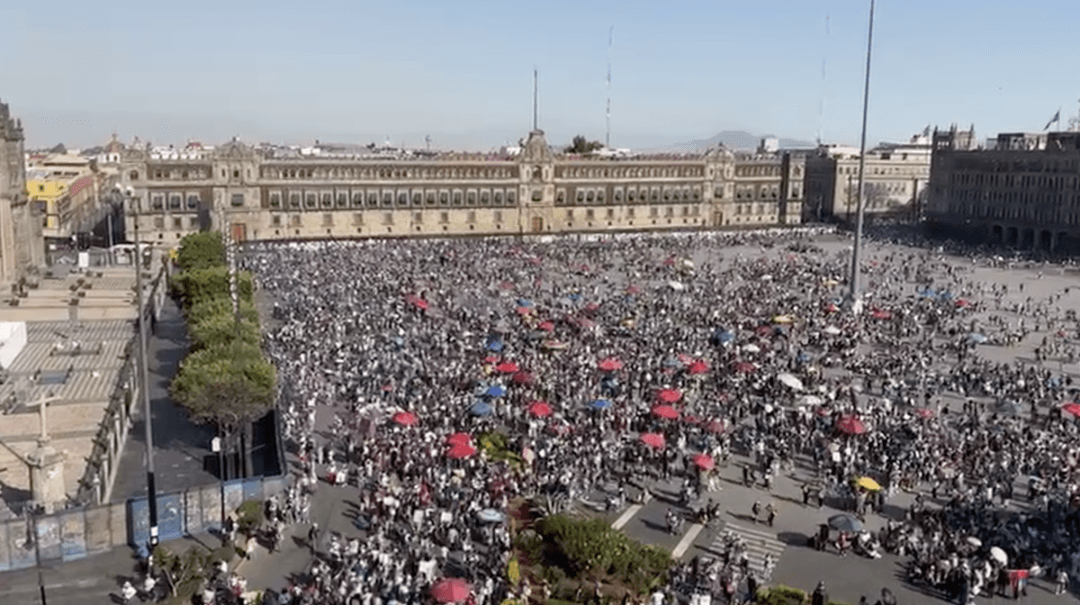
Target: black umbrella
[[845, 523]]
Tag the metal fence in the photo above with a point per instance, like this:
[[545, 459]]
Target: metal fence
[[78, 533]]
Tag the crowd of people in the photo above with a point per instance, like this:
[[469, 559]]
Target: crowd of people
[[614, 361]]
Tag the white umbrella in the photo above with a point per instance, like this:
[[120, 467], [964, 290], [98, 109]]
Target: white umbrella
[[810, 400], [674, 285], [752, 348], [972, 540], [766, 278], [790, 381], [832, 330], [999, 555]]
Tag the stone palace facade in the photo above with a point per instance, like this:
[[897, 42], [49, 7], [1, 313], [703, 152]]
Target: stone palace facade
[[263, 197], [1022, 191], [22, 247]]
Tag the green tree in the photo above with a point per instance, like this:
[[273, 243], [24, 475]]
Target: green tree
[[221, 305], [220, 330], [230, 384], [201, 251], [199, 285]]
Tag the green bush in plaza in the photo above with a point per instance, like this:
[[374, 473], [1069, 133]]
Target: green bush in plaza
[[196, 286], [201, 251], [221, 305], [229, 384], [586, 548]]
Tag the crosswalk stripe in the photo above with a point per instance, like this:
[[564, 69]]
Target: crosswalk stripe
[[626, 516], [758, 544], [687, 540]]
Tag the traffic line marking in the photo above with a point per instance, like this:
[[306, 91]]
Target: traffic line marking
[[626, 516], [687, 540]]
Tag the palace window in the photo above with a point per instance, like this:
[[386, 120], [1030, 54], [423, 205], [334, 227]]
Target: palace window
[[311, 200], [471, 197], [510, 197], [342, 200], [294, 200], [417, 199], [157, 202], [327, 200], [388, 199], [457, 198], [358, 199], [275, 200], [430, 198], [498, 198], [238, 199], [403, 199]]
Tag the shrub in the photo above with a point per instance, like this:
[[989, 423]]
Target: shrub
[[200, 251], [592, 546], [249, 516], [221, 330], [199, 285]]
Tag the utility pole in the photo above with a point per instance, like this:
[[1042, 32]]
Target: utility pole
[[144, 373], [856, 302]]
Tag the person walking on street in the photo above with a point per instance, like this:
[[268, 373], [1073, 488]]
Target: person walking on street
[[1061, 582], [770, 513], [820, 596], [313, 537], [755, 510]]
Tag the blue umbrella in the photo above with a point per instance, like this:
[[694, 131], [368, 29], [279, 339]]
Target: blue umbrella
[[928, 293], [574, 297], [845, 523], [976, 338], [802, 357], [482, 408], [497, 390], [725, 337], [495, 345], [524, 302], [672, 362], [600, 404], [490, 515]]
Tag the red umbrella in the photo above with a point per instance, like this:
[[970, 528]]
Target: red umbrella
[[460, 450], [880, 314], [666, 411], [851, 425], [547, 326], [704, 461], [416, 301], [961, 303], [404, 418], [669, 261], [632, 289], [459, 439], [539, 409], [715, 426], [924, 412], [688, 419], [668, 396], [522, 378], [745, 367], [506, 285], [491, 359], [586, 323], [764, 330], [653, 440], [1072, 408], [507, 367], [610, 364], [698, 367], [684, 359], [450, 590], [525, 310], [592, 306], [831, 308]]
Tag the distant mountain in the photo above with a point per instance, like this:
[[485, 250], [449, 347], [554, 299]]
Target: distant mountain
[[732, 139]]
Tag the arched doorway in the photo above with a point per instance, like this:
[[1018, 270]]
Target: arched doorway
[[1011, 236], [1046, 241], [997, 234]]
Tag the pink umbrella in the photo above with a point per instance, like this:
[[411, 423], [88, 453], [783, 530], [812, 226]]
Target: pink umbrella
[[539, 409], [592, 306], [610, 364], [688, 419], [459, 439], [669, 396], [704, 461], [666, 411], [507, 367], [1072, 408], [632, 289], [525, 310], [715, 426], [460, 450], [924, 412], [961, 303], [880, 314], [655, 440], [850, 425], [491, 359], [450, 590], [698, 367], [547, 326], [522, 378], [404, 418]]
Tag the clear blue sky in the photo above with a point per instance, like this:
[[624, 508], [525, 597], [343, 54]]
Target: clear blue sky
[[461, 70]]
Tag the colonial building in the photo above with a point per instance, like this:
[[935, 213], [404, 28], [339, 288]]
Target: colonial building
[[895, 180], [265, 196], [1023, 192], [22, 250]]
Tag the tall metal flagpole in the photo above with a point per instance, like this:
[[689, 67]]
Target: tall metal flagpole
[[856, 302], [144, 372], [536, 96]]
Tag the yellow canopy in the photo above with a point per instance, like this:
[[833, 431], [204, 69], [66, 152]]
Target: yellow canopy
[[868, 483], [783, 319]]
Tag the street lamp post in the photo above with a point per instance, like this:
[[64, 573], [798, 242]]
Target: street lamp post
[[144, 374], [856, 303]]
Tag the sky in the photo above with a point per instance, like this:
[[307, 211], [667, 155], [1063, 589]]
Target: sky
[[461, 71]]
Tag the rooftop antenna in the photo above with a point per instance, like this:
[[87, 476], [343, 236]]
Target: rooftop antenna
[[821, 109], [607, 135], [536, 97]]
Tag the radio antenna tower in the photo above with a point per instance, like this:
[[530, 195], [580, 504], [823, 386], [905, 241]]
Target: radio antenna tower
[[821, 109], [607, 115]]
